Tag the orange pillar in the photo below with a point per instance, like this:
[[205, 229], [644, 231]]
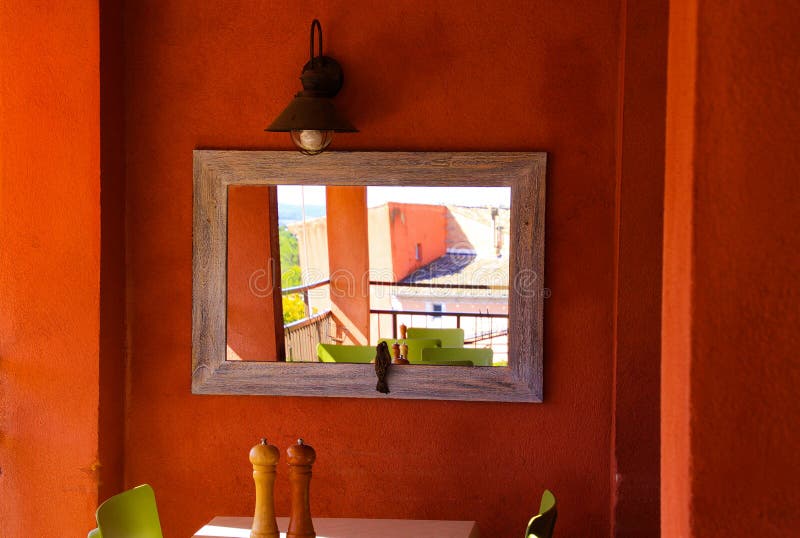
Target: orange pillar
[[730, 369], [49, 267], [348, 257], [255, 321]]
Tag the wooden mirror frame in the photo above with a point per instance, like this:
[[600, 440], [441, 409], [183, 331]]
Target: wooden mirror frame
[[214, 171]]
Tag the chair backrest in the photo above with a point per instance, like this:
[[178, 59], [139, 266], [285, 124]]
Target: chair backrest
[[542, 524], [345, 354], [415, 346], [477, 356], [449, 337], [131, 514]]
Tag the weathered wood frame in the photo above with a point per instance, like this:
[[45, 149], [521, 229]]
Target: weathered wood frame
[[214, 171]]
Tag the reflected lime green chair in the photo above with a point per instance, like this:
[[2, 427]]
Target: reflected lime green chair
[[131, 514], [444, 363], [345, 354], [449, 337], [477, 356], [542, 524], [415, 346]]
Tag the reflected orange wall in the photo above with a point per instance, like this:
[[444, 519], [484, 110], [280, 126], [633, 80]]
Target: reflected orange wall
[[50, 269], [348, 256], [252, 276], [413, 225]]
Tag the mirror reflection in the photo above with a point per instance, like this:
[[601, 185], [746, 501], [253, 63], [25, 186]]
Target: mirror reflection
[[323, 273]]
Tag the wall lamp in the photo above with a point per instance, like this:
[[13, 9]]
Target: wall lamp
[[311, 117]]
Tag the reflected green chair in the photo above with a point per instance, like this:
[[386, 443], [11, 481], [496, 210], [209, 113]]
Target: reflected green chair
[[542, 524], [477, 356], [131, 514], [345, 354], [449, 337], [415, 346]]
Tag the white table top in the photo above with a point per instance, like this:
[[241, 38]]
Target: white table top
[[239, 527]]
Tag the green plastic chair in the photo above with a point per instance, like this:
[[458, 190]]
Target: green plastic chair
[[131, 514], [415, 346], [477, 356], [449, 337], [542, 524], [444, 363], [345, 354]]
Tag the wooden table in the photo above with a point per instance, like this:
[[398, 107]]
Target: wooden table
[[239, 527]]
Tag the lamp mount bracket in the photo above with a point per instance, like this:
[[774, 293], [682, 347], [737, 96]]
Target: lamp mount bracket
[[322, 77]]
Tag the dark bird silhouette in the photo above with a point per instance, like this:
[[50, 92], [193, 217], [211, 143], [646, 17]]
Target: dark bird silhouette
[[382, 362]]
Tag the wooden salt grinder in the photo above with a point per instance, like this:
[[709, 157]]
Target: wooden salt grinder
[[264, 457], [301, 458], [403, 331]]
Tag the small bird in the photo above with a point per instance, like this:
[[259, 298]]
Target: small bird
[[382, 362]]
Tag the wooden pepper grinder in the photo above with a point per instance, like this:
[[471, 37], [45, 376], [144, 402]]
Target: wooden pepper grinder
[[395, 352], [301, 458], [264, 457], [403, 331]]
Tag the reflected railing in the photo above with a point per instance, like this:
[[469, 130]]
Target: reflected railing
[[301, 337], [481, 329]]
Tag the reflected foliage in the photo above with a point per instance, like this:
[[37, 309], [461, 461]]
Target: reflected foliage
[[293, 307]]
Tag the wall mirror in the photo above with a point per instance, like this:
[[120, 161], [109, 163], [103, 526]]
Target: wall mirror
[[302, 265]]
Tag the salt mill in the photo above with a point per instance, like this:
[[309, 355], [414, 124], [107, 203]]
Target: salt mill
[[403, 331], [301, 458], [264, 457]]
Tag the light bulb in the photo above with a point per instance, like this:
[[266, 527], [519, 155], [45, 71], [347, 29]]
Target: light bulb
[[312, 142]]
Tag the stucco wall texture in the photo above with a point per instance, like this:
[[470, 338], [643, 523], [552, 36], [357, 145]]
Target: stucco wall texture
[[732, 208], [419, 76], [49, 267]]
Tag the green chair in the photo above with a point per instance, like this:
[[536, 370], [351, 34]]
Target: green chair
[[131, 514], [415, 346], [449, 337], [477, 356], [444, 363], [345, 354], [542, 524]]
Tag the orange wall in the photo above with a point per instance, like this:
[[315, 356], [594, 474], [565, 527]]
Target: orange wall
[[348, 258], [732, 249], [49, 267], [380, 245], [252, 276], [513, 76], [411, 225]]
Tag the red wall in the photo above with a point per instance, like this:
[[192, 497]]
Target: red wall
[[732, 249], [640, 192], [419, 76], [250, 327], [49, 267], [411, 225]]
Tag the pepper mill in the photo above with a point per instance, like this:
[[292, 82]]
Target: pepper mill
[[264, 457], [403, 330], [395, 351], [301, 458]]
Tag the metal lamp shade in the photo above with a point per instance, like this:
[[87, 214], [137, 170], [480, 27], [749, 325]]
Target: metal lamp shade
[[311, 113]]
